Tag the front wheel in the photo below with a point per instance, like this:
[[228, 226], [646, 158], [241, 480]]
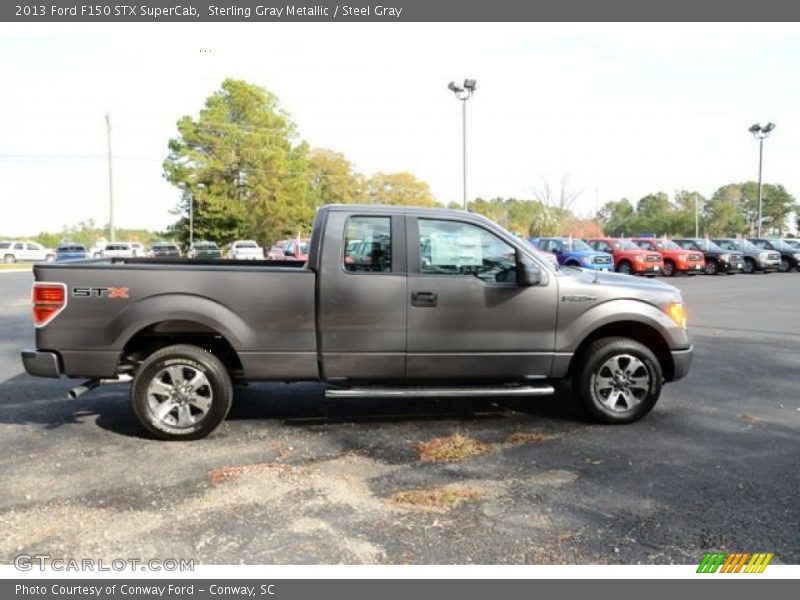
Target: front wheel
[[625, 267], [784, 268], [668, 269], [618, 380], [9, 259], [711, 267], [181, 392]]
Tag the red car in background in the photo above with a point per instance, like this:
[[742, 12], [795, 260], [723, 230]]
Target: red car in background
[[676, 259], [296, 249], [628, 257]]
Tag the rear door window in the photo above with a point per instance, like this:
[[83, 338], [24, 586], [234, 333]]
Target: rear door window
[[368, 244]]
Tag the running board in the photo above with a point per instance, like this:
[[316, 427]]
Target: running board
[[434, 392]]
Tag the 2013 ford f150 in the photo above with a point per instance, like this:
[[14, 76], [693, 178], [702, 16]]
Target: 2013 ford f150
[[392, 301]]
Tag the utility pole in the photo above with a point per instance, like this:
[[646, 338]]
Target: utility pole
[[696, 218], [760, 133], [464, 92], [110, 181]]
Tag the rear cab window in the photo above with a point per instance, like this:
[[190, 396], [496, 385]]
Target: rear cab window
[[368, 245]]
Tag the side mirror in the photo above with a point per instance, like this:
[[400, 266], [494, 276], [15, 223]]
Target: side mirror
[[529, 273]]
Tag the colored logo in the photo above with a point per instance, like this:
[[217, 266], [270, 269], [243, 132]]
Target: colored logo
[[738, 562]]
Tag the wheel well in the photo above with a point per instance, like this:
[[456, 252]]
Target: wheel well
[[644, 334], [572, 263], [167, 333]]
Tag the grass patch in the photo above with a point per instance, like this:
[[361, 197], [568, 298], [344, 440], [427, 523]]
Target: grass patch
[[451, 448], [16, 267], [437, 497], [527, 437]]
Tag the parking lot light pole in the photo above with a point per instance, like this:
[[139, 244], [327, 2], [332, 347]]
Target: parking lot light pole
[[760, 133], [464, 92]]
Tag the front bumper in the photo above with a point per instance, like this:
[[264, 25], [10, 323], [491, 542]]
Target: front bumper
[[731, 266], [681, 360], [41, 364]]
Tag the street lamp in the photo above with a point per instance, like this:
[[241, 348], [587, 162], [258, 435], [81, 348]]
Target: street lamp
[[464, 92], [188, 189], [760, 133]]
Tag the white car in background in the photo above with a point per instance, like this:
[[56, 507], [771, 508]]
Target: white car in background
[[15, 251], [118, 250], [138, 249], [96, 251], [246, 250]]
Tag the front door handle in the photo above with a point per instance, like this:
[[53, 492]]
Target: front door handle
[[423, 299]]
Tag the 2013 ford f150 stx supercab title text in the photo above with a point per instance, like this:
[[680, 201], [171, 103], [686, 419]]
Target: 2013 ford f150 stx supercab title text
[[392, 301]]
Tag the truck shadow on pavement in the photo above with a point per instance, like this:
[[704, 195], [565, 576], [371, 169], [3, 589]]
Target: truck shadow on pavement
[[28, 400]]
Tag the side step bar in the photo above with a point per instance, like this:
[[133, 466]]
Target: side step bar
[[436, 392]]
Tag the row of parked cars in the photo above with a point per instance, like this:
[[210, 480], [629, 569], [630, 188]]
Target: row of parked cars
[[652, 256], [16, 251]]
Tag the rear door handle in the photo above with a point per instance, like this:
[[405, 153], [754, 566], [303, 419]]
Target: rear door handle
[[423, 299]]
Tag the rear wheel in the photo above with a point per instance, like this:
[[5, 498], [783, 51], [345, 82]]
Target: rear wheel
[[9, 259], [749, 265], [711, 267], [625, 267], [618, 380], [181, 392]]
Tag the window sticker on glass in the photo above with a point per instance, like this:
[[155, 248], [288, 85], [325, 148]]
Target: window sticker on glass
[[454, 249]]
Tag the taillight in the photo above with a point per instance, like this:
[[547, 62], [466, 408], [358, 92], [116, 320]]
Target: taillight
[[48, 300]]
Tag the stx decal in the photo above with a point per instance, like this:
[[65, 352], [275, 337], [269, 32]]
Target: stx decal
[[100, 292]]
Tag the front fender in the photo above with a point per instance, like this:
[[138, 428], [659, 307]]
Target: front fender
[[573, 329]]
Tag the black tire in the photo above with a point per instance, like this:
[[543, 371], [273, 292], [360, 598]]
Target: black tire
[[625, 267], [668, 269], [785, 266], [711, 267], [749, 266], [216, 392], [9, 259], [571, 263], [593, 363]]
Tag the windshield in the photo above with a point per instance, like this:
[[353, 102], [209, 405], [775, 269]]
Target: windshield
[[578, 246], [625, 245], [210, 246], [794, 244], [246, 245], [667, 245], [71, 249]]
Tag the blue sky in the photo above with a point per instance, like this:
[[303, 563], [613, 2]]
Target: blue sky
[[623, 109]]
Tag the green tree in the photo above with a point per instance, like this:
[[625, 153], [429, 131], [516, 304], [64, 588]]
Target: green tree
[[241, 163], [399, 188], [618, 217], [333, 180]]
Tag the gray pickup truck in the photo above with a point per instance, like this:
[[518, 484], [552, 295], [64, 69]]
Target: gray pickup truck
[[392, 301]]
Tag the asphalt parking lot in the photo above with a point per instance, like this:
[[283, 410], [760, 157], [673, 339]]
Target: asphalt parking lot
[[293, 478]]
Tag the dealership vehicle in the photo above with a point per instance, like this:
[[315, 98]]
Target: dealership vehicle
[[296, 249], [164, 250], [476, 314], [717, 259], [138, 249], [755, 258], [550, 258], [792, 243], [676, 259], [96, 251], [628, 257], [118, 250], [206, 250], [572, 252], [790, 257], [71, 252], [16, 251], [245, 250], [276, 251]]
